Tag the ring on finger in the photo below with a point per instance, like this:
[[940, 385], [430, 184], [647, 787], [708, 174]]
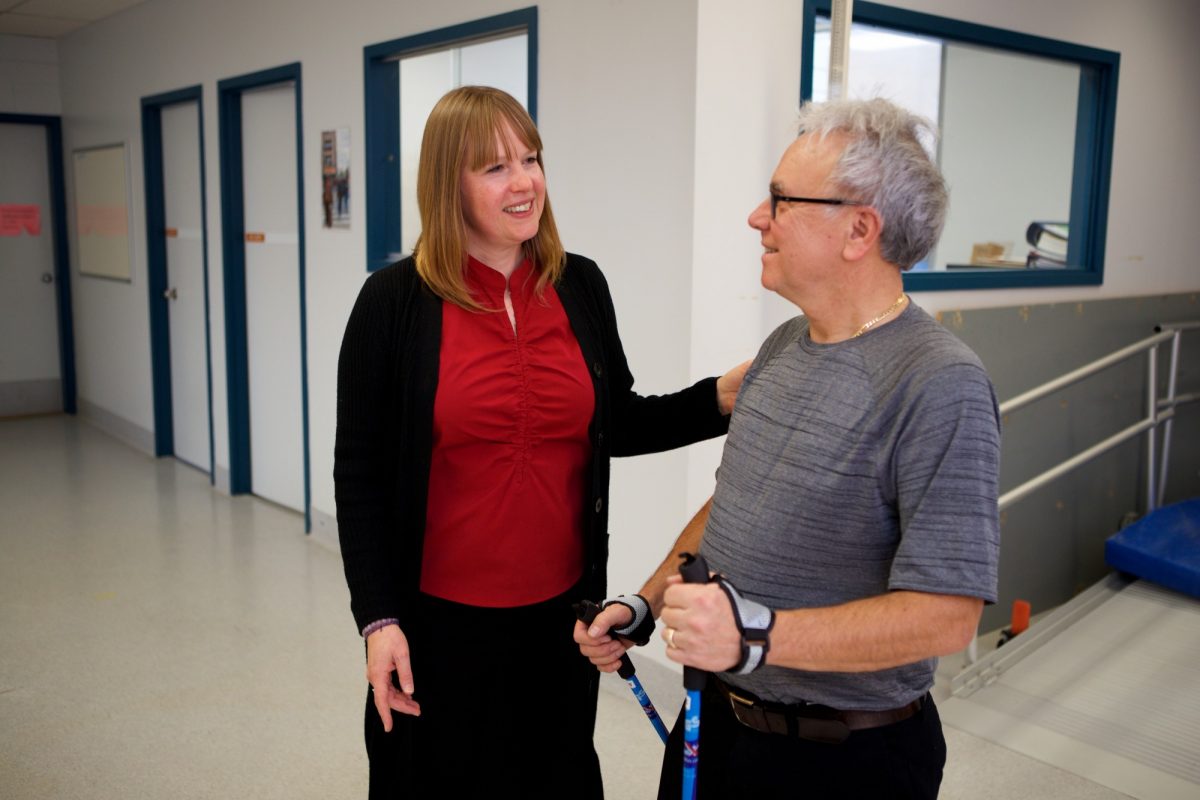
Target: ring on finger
[[671, 637]]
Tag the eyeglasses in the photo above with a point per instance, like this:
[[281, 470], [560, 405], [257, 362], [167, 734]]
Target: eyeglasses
[[776, 199]]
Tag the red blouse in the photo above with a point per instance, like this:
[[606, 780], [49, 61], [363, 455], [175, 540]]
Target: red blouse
[[504, 524]]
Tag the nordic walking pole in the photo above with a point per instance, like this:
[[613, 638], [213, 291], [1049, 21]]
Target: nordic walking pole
[[694, 569], [587, 611]]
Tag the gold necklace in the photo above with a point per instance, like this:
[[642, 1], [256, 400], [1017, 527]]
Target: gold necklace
[[872, 323]]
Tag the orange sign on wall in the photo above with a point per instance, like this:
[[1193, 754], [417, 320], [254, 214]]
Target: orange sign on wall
[[256, 237]]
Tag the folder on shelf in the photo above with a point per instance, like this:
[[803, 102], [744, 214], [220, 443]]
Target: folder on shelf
[[1049, 243]]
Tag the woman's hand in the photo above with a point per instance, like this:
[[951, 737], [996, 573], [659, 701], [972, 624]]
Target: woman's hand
[[387, 651], [597, 644], [728, 386]]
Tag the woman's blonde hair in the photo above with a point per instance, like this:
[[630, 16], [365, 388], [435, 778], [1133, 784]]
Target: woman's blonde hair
[[459, 135]]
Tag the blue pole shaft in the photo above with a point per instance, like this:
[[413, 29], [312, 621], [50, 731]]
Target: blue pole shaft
[[694, 569], [691, 743], [587, 611], [643, 699]]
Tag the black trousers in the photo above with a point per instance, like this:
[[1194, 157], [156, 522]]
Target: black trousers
[[508, 707], [902, 760]]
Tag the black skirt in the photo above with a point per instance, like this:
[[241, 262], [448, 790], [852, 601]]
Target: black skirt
[[508, 707]]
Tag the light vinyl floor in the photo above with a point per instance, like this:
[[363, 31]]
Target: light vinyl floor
[[161, 640]]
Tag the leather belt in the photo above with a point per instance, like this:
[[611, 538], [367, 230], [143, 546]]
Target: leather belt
[[808, 721]]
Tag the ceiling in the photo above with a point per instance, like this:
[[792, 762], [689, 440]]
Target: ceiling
[[50, 19]]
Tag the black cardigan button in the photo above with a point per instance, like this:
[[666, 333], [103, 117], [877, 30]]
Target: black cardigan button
[[599, 504], [597, 369]]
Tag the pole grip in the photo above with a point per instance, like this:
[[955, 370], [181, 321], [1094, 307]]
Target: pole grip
[[587, 611], [694, 569]]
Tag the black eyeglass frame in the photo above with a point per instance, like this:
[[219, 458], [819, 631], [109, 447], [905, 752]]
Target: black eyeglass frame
[[776, 199]]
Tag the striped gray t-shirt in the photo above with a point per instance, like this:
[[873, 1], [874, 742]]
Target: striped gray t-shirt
[[852, 469]]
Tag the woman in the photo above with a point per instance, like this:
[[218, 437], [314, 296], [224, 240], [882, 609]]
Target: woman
[[482, 388]]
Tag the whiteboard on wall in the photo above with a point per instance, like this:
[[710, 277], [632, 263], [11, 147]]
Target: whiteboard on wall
[[102, 212]]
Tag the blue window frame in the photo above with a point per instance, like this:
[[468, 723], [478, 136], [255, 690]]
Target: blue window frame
[[1095, 119], [381, 64]]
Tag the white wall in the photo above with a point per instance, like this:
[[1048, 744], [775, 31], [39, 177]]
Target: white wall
[[616, 109], [662, 122], [29, 75], [747, 92]]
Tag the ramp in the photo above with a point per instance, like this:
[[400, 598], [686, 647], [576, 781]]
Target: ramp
[[1106, 687]]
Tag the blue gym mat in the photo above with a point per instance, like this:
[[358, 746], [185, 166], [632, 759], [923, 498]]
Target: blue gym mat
[[1162, 547]]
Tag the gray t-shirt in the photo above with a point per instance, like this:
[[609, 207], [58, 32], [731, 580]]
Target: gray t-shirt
[[852, 469]]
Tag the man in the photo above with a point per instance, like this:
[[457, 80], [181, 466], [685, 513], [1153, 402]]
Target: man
[[854, 521]]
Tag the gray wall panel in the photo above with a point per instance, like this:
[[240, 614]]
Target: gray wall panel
[[1052, 542]]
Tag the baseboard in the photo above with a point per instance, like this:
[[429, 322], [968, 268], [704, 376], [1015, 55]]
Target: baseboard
[[221, 480], [324, 530], [118, 427], [26, 398]]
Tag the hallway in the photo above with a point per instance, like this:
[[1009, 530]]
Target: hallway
[[161, 639]]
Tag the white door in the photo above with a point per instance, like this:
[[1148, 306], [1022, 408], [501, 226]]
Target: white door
[[273, 294], [30, 380], [185, 282]]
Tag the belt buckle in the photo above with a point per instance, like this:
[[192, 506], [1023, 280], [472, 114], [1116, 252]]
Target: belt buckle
[[735, 699], [753, 714], [746, 712]]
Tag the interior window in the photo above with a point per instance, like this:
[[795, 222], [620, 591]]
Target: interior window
[[404, 79], [1026, 138], [425, 77]]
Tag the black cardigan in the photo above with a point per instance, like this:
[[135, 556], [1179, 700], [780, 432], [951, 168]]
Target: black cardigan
[[387, 379]]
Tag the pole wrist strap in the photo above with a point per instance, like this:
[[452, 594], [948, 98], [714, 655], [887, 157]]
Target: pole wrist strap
[[754, 621], [641, 627]]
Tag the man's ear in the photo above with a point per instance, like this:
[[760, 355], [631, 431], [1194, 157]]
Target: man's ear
[[865, 227]]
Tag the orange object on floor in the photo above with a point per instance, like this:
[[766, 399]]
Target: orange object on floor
[[1020, 616]]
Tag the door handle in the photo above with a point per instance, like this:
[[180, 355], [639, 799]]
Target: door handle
[[170, 294], [47, 277]]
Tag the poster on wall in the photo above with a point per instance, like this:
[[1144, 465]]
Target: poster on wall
[[102, 212], [18, 218], [335, 178]]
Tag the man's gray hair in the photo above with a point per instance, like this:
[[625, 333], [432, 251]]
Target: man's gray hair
[[886, 166]]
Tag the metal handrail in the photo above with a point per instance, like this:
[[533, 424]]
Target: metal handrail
[[1177, 329], [1152, 418], [1180, 400], [1087, 370], [1096, 450], [1157, 411]]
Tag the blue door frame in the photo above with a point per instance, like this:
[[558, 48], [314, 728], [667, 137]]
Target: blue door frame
[[233, 249], [62, 260], [156, 256]]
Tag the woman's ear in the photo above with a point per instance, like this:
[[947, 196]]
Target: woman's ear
[[865, 227]]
